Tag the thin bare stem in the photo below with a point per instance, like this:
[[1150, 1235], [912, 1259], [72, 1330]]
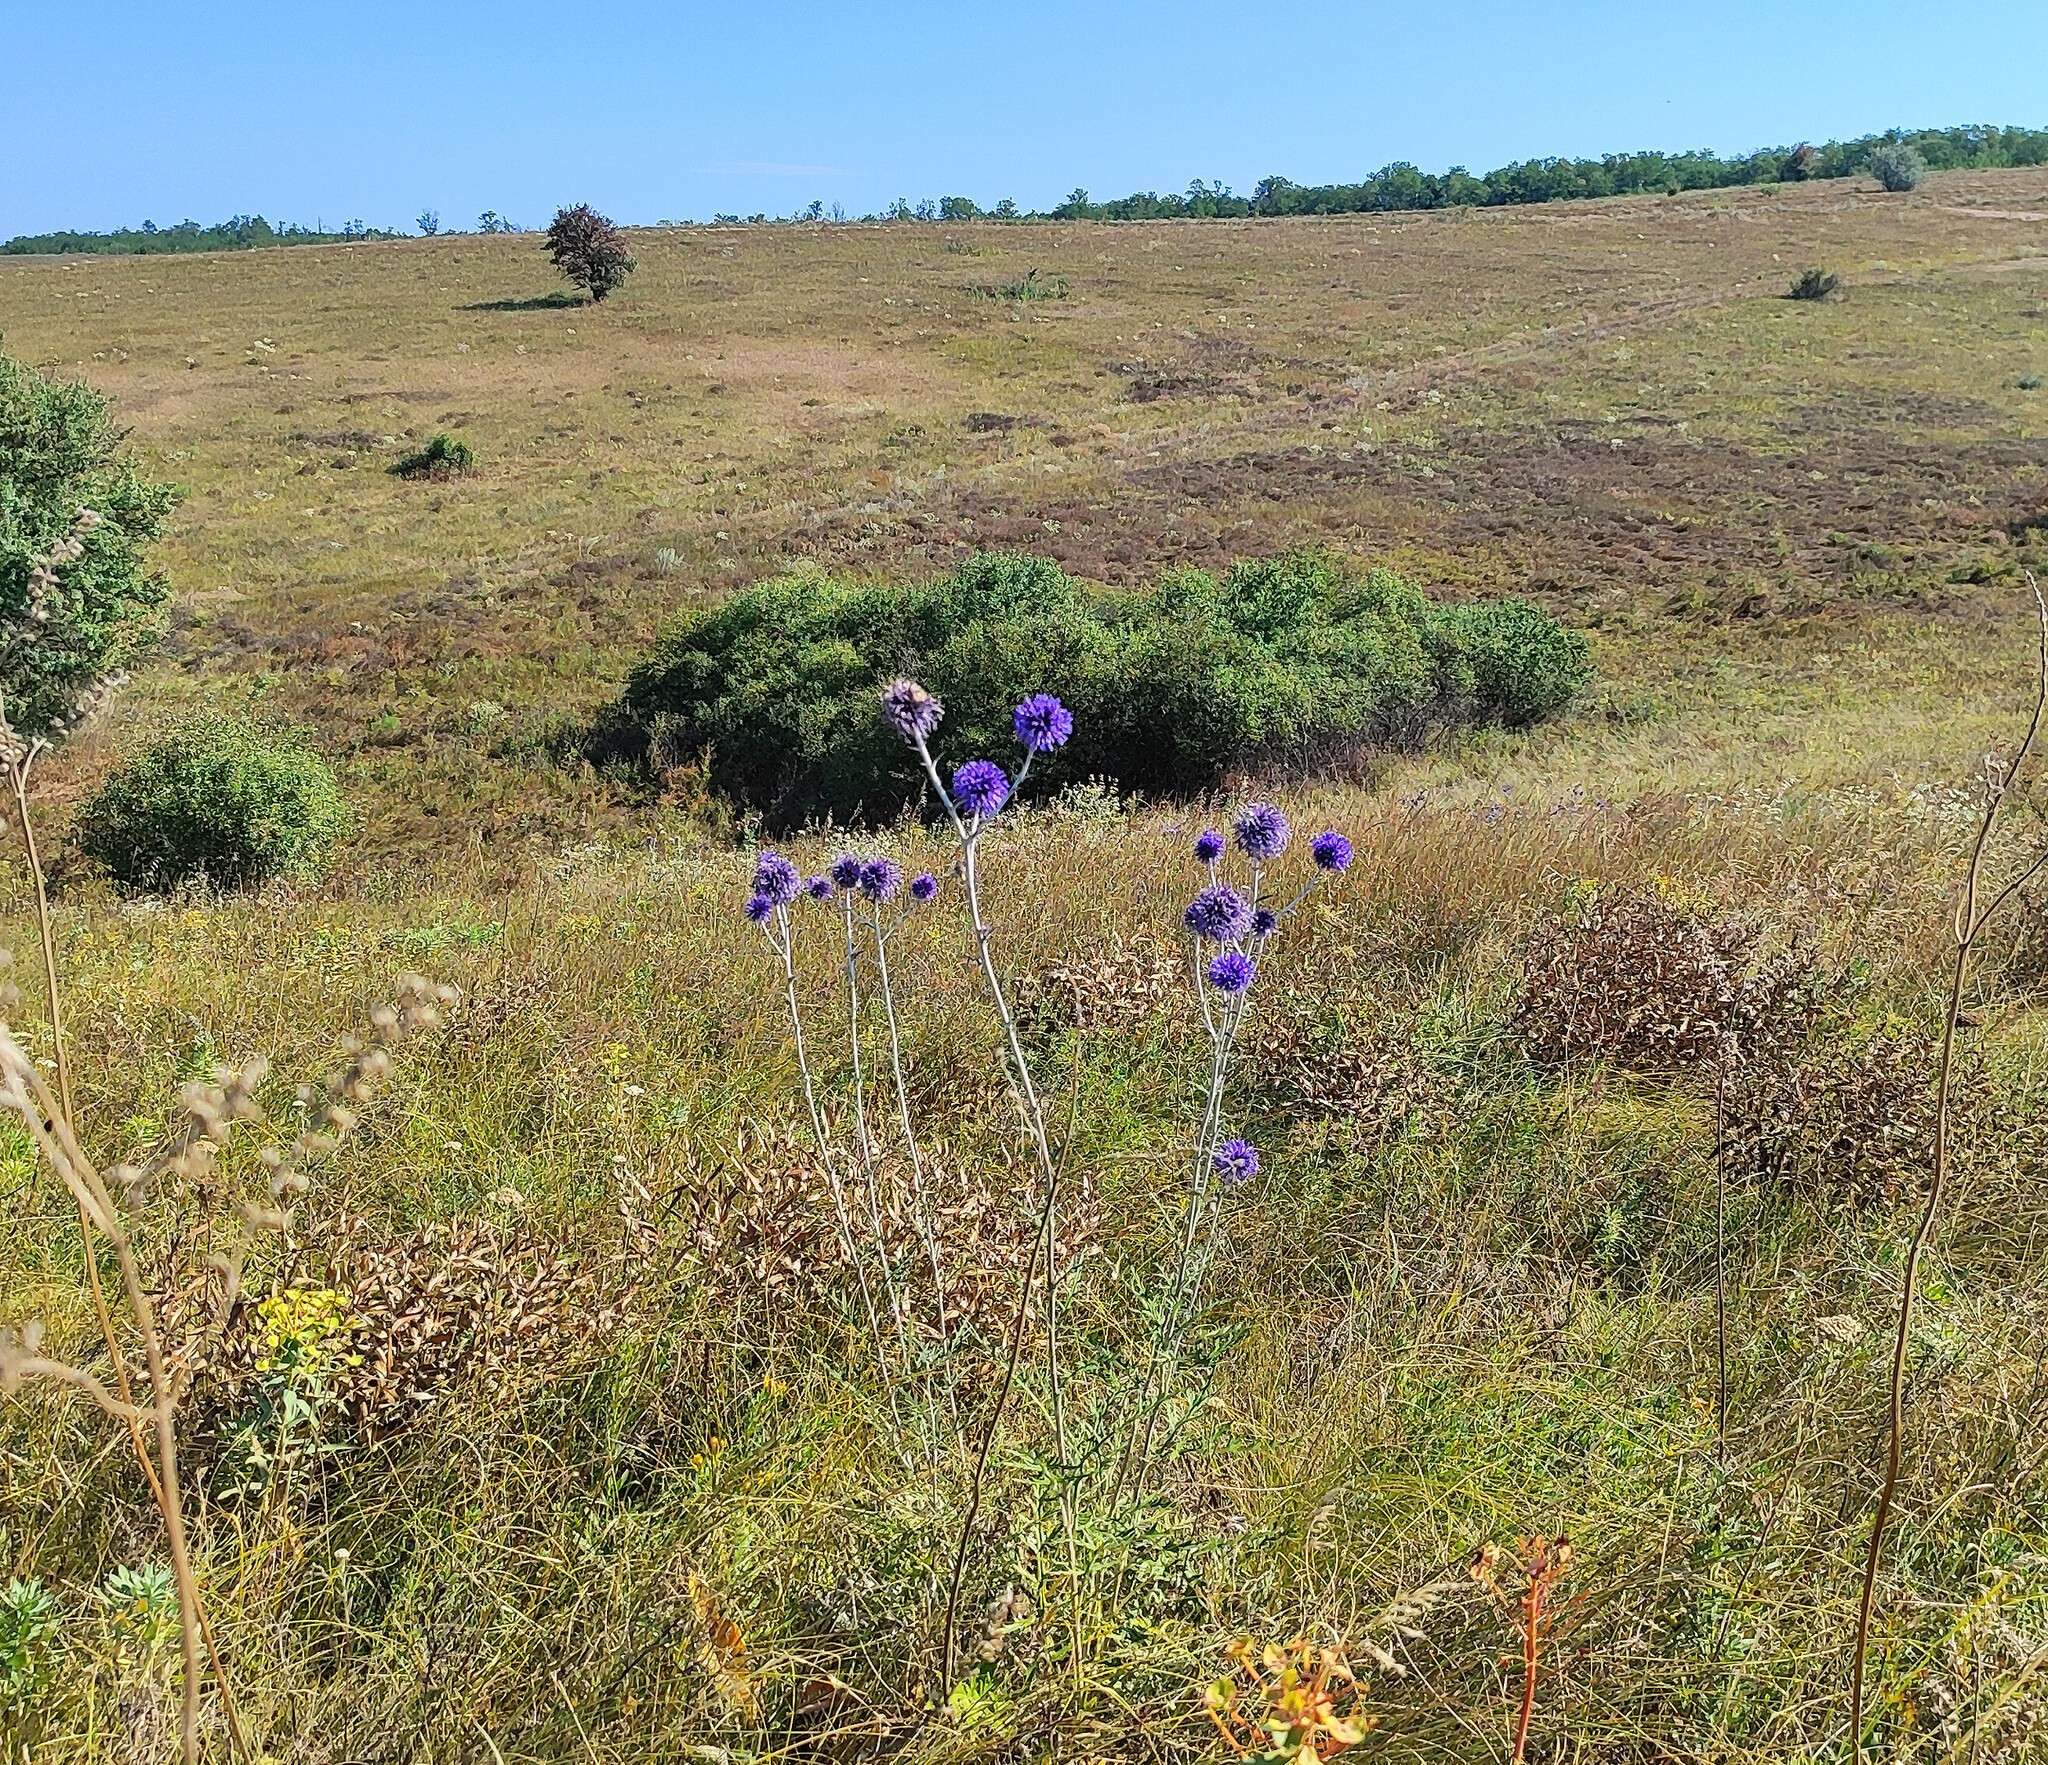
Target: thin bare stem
[[1972, 915]]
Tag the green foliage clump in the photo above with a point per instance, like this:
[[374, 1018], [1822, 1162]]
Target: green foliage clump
[[443, 457], [218, 802], [60, 453], [1898, 166], [587, 248], [1814, 284], [1284, 661]]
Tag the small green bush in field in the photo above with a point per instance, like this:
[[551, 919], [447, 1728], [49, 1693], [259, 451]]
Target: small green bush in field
[[1523, 664], [217, 801], [1815, 284], [1285, 660], [442, 457]]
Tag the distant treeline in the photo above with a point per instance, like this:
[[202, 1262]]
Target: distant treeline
[[1403, 186], [241, 233], [1397, 186]]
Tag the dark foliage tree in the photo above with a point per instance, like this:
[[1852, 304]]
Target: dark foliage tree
[[589, 250]]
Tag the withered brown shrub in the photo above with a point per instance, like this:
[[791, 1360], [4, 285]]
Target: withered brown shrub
[[764, 1238], [1850, 1120], [464, 1307], [1646, 979], [1357, 1084]]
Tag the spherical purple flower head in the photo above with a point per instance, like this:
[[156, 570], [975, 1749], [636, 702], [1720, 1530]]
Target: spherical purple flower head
[[758, 909], [1208, 846], [923, 886], [980, 788], [1042, 723], [1262, 832], [1218, 914], [819, 888], [1235, 1162], [1265, 923], [880, 878], [1331, 851], [910, 711], [1231, 972], [846, 869], [776, 880]]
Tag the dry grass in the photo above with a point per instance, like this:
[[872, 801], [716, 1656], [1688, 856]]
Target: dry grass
[[1470, 1298]]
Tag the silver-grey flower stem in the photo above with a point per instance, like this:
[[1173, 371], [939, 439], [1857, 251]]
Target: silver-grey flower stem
[[784, 945], [919, 1206], [865, 1139]]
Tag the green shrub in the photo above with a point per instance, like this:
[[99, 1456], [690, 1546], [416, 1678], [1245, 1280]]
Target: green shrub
[[1814, 284], [442, 457], [1284, 660], [59, 453], [219, 802], [1522, 664], [1897, 165]]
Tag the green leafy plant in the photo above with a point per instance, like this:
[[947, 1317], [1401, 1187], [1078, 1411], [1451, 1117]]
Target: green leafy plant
[[1815, 284], [78, 601], [141, 1608], [1029, 286], [442, 457], [217, 801], [29, 1622]]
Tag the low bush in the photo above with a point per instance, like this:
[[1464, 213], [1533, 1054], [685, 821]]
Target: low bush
[[217, 802], [1815, 284], [443, 457], [1897, 165], [1285, 661]]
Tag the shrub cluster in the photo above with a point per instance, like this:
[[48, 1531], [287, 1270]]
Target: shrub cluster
[[1283, 660], [63, 631], [218, 802]]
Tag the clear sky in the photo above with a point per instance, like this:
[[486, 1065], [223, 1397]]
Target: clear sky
[[120, 112]]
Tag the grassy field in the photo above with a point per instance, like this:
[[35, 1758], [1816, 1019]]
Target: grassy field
[[627, 1412]]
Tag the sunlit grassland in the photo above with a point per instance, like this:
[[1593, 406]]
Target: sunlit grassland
[[1796, 534]]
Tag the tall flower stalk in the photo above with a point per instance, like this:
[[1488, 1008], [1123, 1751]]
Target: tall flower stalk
[[777, 888], [1228, 930], [977, 794]]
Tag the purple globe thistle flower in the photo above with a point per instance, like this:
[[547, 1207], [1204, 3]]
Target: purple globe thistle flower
[[880, 878], [1208, 846], [910, 711], [980, 787], [1218, 914], [1231, 972], [776, 880], [819, 888], [1235, 1162], [1262, 831], [923, 886], [1042, 723], [758, 909], [1331, 851], [1265, 923], [846, 869]]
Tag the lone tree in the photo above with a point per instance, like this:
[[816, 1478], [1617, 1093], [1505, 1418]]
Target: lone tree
[[1897, 165], [77, 600], [589, 250]]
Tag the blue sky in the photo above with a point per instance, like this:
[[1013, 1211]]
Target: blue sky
[[121, 112]]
